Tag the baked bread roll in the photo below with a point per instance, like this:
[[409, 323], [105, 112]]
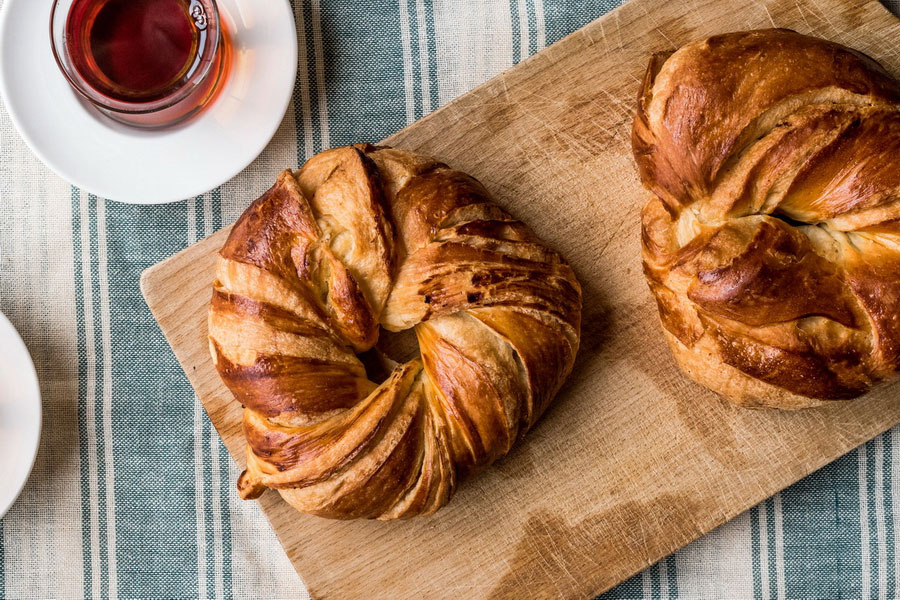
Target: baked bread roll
[[360, 238], [772, 241]]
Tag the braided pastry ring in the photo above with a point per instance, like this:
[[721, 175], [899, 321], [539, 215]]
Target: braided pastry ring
[[362, 237], [772, 242]]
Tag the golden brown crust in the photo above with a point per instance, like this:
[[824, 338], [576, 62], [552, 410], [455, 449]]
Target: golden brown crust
[[362, 237], [772, 244]]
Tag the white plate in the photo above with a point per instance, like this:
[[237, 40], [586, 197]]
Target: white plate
[[20, 414], [150, 167]]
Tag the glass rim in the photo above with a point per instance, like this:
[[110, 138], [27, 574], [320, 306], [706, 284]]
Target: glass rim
[[95, 97]]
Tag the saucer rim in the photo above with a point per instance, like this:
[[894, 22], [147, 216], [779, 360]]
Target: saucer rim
[[32, 444]]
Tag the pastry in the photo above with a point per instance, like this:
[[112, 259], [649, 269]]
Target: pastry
[[363, 238], [771, 242]]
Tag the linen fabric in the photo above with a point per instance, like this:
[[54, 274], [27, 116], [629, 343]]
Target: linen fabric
[[133, 494]]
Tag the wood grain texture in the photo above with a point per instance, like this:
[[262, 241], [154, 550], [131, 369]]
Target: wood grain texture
[[633, 460]]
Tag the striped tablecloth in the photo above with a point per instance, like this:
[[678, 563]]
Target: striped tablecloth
[[133, 494]]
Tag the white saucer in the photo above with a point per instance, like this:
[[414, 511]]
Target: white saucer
[[20, 414], [150, 167]]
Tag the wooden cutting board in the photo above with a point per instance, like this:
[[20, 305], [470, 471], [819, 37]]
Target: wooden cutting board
[[633, 461]]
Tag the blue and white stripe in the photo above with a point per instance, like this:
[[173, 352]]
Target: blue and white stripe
[[95, 395]]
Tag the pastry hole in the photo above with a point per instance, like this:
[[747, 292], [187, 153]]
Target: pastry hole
[[401, 346], [378, 366]]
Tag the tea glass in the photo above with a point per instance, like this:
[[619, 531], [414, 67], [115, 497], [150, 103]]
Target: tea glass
[[189, 96]]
